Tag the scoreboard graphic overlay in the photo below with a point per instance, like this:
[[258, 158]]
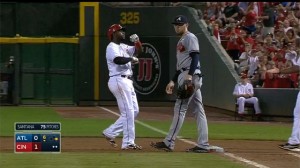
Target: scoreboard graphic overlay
[[37, 137]]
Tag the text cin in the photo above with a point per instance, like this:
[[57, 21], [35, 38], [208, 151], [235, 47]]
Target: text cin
[[21, 147]]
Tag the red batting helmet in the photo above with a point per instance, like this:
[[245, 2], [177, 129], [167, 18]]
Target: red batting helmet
[[113, 28]]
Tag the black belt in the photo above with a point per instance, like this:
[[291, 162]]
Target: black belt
[[200, 75], [185, 69], [126, 76]]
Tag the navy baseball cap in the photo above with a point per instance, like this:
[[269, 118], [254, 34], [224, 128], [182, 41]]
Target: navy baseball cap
[[180, 19]]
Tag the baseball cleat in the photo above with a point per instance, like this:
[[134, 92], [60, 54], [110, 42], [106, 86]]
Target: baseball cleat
[[289, 146], [216, 149], [161, 146], [198, 149], [133, 147], [111, 141]]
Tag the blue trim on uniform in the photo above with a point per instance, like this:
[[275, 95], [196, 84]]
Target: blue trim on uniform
[[177, 120], [194, 64]]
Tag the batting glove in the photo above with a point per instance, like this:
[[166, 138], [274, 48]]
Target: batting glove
[[135, 60], [134, 38]]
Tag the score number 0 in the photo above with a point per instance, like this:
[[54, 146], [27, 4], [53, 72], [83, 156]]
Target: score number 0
[[130, 17], [35, 145]]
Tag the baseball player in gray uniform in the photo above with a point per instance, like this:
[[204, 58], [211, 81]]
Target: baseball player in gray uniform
[[294, 140], [120, 58], [188, 69]]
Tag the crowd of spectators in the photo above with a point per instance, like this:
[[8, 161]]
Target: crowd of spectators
[[258, 36]]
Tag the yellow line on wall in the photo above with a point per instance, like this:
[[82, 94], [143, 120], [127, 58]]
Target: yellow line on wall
[[96, 41], [82, 15], [96, 56], [81, 19], [13, 40]]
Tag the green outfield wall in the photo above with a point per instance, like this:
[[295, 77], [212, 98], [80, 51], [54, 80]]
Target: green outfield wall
[[59, 56], [43, 71]]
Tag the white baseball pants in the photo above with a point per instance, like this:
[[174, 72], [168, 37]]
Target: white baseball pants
[[123, 90]]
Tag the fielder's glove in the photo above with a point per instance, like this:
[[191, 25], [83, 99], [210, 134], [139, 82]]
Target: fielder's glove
[[134, 38], [186, 90]]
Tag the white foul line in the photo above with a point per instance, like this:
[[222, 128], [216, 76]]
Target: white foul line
[[294, 154], [191, 142], [245, 160]]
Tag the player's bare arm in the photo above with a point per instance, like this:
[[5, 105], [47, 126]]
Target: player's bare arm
[[289, 70], [171, 84]]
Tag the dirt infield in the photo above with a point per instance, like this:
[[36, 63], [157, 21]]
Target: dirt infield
[[262, 152]]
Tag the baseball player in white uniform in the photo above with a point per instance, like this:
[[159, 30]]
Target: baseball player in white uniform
[[120, 58], [294, 140], [243, 92], [188, 68]]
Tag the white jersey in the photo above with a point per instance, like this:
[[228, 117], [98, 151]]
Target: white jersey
[[292, 56], [243, 89], [240, 89], [243, 59], [297, 61], [114, 50], [253, 64]]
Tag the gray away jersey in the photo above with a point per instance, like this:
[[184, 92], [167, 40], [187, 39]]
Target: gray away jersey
[[186, 45]]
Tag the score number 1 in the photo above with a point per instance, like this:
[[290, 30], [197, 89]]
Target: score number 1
[[130, 17]]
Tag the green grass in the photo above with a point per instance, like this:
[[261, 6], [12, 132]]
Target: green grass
[[93, 127], [115, 160], [242, 131], [10, 115]]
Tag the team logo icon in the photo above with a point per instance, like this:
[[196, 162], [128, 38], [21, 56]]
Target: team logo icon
[[148, 71]]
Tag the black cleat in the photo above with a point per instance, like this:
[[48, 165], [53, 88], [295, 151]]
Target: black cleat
[[198, 149], [161, 146], [289, 146]]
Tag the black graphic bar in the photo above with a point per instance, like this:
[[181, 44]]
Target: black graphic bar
[[37, 126]]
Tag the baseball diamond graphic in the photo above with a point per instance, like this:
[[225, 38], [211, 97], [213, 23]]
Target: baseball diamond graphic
[[148, 71]]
